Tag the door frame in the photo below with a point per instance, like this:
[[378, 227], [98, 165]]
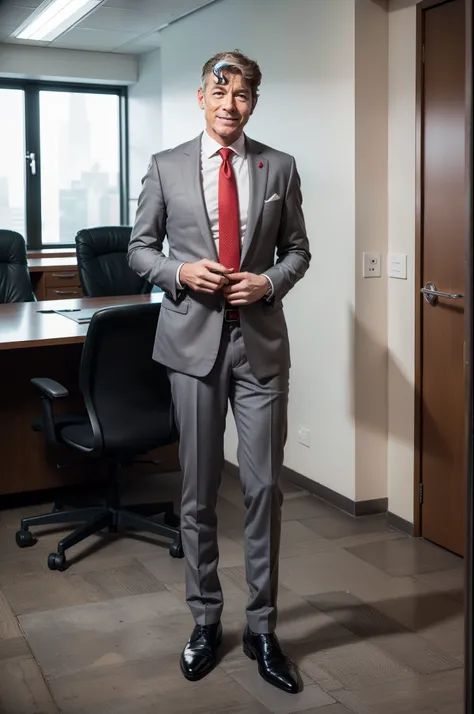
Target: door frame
[[421, 9], [469, 560]]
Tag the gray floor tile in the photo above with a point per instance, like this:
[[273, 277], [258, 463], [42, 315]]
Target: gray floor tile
[[329, 709], [307, 507], [406, 556], [246, 674], [14, 647], [338, 524], [450, 582], [359, 665], [53, 590], [230, 517], [23, 689], [428, 694], [330, 571], [89, 636], [388, 635], [150, 686], [373, 618]]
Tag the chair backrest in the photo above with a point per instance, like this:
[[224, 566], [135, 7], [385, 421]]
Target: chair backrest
[[15, 282], [102, 263], [127, 394]]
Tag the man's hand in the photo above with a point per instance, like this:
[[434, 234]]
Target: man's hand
[[245, 288], [205, 276]]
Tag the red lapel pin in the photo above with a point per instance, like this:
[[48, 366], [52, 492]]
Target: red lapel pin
[[260, 165]]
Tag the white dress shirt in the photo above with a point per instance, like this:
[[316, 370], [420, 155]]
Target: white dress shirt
[[211, 162]]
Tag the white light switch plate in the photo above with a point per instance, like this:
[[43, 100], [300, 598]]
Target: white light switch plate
[[372, 267], [397, 265]]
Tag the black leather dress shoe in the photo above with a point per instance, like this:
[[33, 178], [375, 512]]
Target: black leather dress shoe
[[199, 656], [273, 664]]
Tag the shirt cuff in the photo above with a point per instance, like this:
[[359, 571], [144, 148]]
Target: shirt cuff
[[178, 284], [271, 291]]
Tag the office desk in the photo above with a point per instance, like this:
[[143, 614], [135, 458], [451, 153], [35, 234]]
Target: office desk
[[51, 253], [34, 344], [55, 278]]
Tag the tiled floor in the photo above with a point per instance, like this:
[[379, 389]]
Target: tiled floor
[[373, 618]]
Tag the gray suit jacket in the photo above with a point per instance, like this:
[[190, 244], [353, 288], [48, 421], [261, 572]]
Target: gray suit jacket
[[171, 204]]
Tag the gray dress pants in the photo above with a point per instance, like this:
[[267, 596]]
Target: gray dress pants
[[260, 411]]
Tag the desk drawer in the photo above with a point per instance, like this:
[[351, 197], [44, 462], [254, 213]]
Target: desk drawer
[[62, 279], [63, 292]]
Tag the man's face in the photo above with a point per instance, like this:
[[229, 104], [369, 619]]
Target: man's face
[[227, 107]]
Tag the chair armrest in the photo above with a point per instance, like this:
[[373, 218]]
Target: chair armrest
[[50, 388]]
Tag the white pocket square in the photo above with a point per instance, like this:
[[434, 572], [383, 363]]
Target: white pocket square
[[275, 197]]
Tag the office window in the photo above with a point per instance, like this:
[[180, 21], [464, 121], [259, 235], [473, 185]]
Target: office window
[[66, 163], [12, 162]]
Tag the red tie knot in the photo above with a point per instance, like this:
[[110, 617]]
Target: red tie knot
[[225, 154], [226, 166]]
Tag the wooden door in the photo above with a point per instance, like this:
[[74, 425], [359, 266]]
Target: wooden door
[[443, 267]]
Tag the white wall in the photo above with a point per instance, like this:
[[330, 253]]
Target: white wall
[[144, 121], [307, 107], [401, 293], [47, 63], [340, 98], [371, 186]]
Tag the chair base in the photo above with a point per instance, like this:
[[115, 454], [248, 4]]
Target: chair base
[[96, 518]]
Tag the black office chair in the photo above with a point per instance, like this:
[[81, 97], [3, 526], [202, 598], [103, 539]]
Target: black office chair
[[102, 263], [127, 396], [15, 283]]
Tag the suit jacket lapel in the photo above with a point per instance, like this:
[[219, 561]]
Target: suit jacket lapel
[[258, 175], [191, 170]]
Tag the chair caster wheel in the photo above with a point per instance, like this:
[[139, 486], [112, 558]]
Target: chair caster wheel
[[176, 550], [172, 520], [25, 539], [56, 561]]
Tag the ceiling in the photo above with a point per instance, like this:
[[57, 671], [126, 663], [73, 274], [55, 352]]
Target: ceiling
[[128, 26]]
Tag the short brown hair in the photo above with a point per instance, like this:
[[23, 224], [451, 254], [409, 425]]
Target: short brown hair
[[238, 64]]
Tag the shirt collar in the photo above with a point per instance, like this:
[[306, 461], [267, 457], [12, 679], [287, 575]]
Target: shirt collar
[[210, 147]]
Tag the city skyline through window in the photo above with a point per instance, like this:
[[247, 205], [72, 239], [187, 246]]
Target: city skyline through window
[[75, 180], [12, 161], [80, 171]]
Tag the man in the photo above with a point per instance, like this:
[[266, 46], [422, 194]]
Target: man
[[227, 204]]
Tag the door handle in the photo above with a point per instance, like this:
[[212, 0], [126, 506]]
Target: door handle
[[431, 294], [31, 157]]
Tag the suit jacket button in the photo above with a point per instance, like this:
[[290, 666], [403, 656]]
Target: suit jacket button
[[219, 308]]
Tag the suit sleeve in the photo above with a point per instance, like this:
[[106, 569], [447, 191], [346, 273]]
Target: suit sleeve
[[145, 249], [293, 254]]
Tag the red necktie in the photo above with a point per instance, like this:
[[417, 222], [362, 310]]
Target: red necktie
[[229, 221]]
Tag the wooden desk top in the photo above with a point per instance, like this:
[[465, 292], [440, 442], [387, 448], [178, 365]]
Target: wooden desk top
[[52, 253], [49, 265], [21, 325]]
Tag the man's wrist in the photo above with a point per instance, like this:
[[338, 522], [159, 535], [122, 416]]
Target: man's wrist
[[179, 285], [270, 289]]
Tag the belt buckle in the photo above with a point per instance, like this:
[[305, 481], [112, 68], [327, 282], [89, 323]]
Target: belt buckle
[[231, 315]]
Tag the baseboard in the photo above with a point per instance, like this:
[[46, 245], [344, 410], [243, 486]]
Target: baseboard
[[354, 508], [399, 523]]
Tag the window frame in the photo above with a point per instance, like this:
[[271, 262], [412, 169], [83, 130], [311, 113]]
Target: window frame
[[31, 89]]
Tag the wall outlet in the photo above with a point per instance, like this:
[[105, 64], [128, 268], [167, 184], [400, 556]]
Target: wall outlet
[[303, 436], [372, 265]]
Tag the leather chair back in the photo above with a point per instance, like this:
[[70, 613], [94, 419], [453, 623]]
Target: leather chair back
[[15, 282], [102, 263], [127, 394]]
